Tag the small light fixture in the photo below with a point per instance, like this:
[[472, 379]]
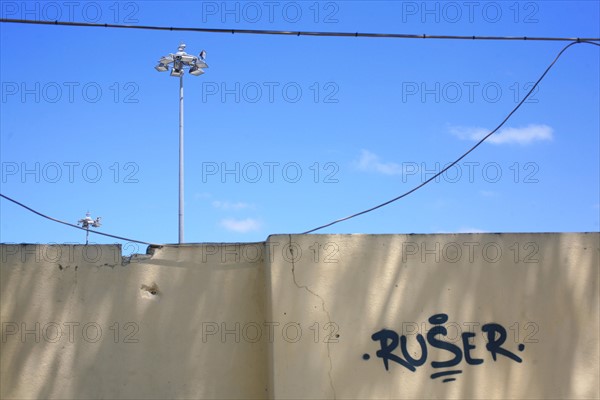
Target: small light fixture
[[196, 71], [87, 222], [187, 58], [161, 67]]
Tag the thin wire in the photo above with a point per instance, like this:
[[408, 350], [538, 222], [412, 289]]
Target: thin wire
[[72, 225], [462, 156], [294, 33]]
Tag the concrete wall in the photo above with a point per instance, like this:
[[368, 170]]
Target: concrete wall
[[150, 345], [309, 316]]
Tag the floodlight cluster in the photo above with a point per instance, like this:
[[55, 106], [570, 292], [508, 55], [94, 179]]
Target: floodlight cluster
[[182, 60]]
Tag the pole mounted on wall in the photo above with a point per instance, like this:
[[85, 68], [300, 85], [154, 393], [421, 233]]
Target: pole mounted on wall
[[178, 62], [87, 222]]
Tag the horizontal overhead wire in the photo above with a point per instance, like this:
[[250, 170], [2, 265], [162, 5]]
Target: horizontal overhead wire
[[295, 33]]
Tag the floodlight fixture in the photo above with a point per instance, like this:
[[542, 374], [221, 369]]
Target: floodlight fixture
[[166, 59], [161, 67], [88, 222], [196, 71], [176, 72], [187, 58]]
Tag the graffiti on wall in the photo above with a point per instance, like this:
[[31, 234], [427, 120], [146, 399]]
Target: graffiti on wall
[[390, 340]]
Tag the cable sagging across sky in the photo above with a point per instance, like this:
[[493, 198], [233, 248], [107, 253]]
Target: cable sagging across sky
[[463, 155], [73, 225]]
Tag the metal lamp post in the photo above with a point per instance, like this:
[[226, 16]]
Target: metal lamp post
[[178, 63], [87, 222]]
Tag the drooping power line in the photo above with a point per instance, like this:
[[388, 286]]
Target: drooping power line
[[462, 156], [296, 33], [73, 225]]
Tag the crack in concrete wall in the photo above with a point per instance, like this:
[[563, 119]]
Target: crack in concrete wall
[[305, 287]]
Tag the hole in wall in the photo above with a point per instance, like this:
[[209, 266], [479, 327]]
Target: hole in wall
[[150, 291]]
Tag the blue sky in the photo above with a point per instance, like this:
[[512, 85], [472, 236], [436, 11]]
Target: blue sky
[[285, 133]]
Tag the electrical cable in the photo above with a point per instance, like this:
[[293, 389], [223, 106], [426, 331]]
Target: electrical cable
[[331, 34], [294, 33], [463, 155], [73, 225]]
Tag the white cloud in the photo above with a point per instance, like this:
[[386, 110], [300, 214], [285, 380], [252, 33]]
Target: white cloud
[[240, 225], [370, 162], [226, 205], [470, 230], [468, 133], [523, 135], [488, 193]]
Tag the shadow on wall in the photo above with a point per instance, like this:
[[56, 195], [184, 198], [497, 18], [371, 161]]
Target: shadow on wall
[[539, 290], [92, 327], [306, 316]]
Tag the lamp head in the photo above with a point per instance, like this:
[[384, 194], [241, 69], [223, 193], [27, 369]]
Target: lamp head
[[161, 67], [196, 71]]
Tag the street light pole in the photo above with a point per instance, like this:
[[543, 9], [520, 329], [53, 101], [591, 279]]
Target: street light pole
[[181, 159], [181, 60]]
